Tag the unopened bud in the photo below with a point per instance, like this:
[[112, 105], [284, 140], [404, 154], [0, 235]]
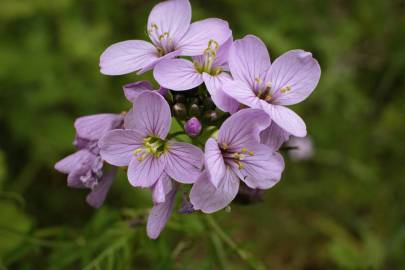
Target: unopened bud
[[193, 127], [179, 110], [194, 110]]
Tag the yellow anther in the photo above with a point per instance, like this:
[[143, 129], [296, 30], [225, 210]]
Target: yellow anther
[[244, 150], [236, 155], [285, 89], [268, 98], [137, 151], [154, 26], [258, 80], [141, 158], [213, 42], [240, 165], [163, 36], [251, 153], [225, 146]]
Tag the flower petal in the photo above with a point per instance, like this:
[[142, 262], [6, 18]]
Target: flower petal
[[298, 71], [152, 64], [117, 146], [177, 74], [249, 60], [133, 90], [184, 162], [127, 56], [160, 214], [214, 86], [150, 117], [145, 173], [263, 169], [196, 40], [161, 188], [73, 162], [205, 197], [223, 53], [274, 136], [242, 128], [93, 127], [214, 162], [172, 17], [98, 195], [241, 92], [286, 119]]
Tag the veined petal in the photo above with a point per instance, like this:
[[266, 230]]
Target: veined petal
[[160, 214], [98, 195], [127, 56], [205, 197], [274, 136], [242, 128], [93, 127], [144, 173], [117, 146], [161, 188], [172, 17], [249, 60], [150, 117], [196, 40], [262, 169], [241, 92], [184, 162], [222, 100], [293, 77], [152, 64], [223, 53], [214, 162], [286, 119], [133, 90], [73, 162], [177, 74]]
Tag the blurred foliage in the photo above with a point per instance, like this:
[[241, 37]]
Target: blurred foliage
[[344, 209]]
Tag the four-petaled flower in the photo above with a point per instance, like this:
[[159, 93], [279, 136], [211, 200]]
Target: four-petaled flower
[[171, 34], [236, 155], [262, 85]]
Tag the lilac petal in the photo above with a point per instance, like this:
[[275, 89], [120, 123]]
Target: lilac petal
[[249, 60], [242, 128], [205, 197], [145, 173], [172, 17], [161, 188], [298, 71], [150, 117], [177, 74], [274, 136], [74, 181], [223, 53], [127, 56], [93, 127], [117, 146], [286, 119], [242, 92], [98, 195], [196, 40], [184, 162], [160, 214], [214, 162], [155, 62], [74, 161], [133, 90], [263, 169], [214, 86]]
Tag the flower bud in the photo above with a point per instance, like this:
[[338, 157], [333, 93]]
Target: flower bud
[[179, 110], [194, 110], [193, 127]]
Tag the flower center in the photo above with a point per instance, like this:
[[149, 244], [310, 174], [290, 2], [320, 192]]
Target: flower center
[[210, 54], [231, 157], [264, 90], [161, 40], [151, 146]]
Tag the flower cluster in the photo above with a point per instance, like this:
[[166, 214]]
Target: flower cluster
[[223, 96]]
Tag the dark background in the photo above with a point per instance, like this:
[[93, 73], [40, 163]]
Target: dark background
[[343, 209]]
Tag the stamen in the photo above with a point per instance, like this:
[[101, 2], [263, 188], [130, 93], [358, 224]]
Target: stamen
[[225, 146], [251, 153], [285, 89], [244, 150]]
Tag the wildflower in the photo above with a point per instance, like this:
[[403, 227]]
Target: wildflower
[[85, 167], [143, 147], [274, 136], [236, 155], [209, 68], [133, 90], [171, 34], [193, 127], [258, 84]]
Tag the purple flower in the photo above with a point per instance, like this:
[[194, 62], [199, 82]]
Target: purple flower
[[274, 136], [236, 155], [182, 74], [193, 127], [133, 90], [143, 147], [85, 167], [171, 34], [258, 84]]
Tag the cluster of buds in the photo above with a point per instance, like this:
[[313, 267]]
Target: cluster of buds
[[226, 95]]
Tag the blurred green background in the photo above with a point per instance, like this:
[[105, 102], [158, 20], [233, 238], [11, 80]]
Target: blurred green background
[[343, 209]]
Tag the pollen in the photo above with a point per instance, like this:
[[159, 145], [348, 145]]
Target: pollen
[[244, 150], [285, 89], [251, 153]]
